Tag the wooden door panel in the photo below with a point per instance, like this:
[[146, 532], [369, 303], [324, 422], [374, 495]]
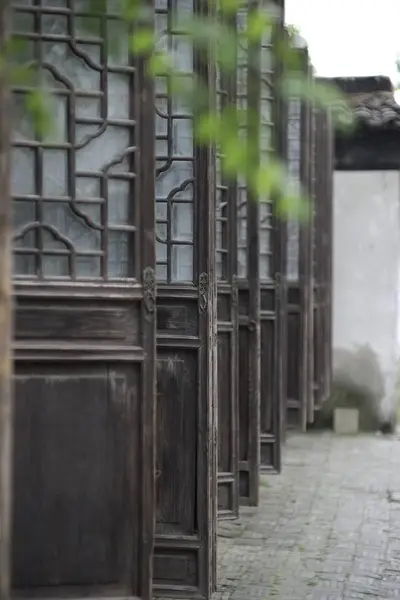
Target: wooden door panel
[[183, 471], [185, 252], [71, 320], [179, 556], [183, 568], [84, 342], [227, 323], [76, 433], [271, 265], [293, 407], [294, 404], [318, 267], [305, 263], [323, 253], [318, 383], [271, 365], [248, 96], [247, 468], [307, 260], [224, 386], [177, 419], [318, 367], [228, 493], [330, 157], [299, 266], [270, 411]]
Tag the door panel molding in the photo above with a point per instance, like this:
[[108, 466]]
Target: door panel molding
[[84, 342], [184, 562]]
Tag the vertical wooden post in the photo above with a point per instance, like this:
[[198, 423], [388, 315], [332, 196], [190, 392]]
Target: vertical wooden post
[[6, 418]]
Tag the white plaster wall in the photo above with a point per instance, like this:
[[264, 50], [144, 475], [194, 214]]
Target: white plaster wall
[[366, 278]]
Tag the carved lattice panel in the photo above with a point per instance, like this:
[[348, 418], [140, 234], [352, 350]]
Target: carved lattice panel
[[299, 260], [294, 170], [74, 209], [269, 264], [175, 155], [223, 224], [227, 318], [248, 286], [266, 150]]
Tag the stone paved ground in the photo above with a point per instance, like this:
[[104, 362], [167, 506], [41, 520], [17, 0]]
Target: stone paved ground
[[327, 528]]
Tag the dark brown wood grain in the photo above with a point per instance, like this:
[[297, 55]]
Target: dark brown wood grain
[[272, 281], [185, 543], [300, 298], [249, 304], [227, 324], [84, 447], [309, 326], [6, 398], [323, 258]]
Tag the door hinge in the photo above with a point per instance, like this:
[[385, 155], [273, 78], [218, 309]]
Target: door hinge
[[203, 292], [252, 326], [149, 289]]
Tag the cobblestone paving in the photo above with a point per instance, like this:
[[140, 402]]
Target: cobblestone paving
[[327, 528]]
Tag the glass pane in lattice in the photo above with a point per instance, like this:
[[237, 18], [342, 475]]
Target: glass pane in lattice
[[222, 190], [294, 168], [74, 192], [241, 92], [175, 193], [266, 149]]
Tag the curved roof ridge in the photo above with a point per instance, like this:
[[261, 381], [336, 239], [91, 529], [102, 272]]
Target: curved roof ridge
[[378, 109]]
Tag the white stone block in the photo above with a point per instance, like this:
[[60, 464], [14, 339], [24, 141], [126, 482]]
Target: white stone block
[[345, 421]]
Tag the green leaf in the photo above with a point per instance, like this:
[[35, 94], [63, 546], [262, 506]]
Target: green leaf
[[207, 128], [259, 23], [271, 181], [131, 10], [22, 74], [210, 35], [98, 7], [290, 57], [291, 205], [142, 41], [229, 7], [38, 106], [323, 95], [234, 158], [159, 64], [270, 178], [226, 51]]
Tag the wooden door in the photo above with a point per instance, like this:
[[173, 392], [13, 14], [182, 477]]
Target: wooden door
[[328, 239], [299, 268], [310, 297], [186, 333], [6, 324], [319, 265], [271, 266], [85, 315], [248, 95], [322, 311], [227, 323]]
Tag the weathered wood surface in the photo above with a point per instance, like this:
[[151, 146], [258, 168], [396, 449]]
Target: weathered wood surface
[[185, 543], [6, 398], [84, 344]]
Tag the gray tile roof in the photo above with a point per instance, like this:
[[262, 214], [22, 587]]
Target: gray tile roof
[[371, 100]]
